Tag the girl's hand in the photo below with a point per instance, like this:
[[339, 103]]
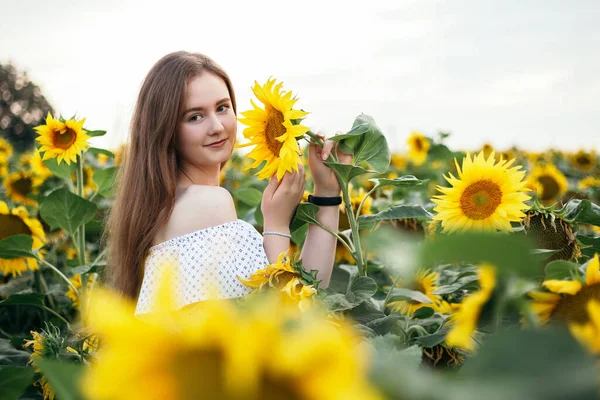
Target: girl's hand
[[326, 183], [280, 199]]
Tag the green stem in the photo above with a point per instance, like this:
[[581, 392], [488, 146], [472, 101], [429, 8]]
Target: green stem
[[387, 298], [44, 286], [355, 233], [81, 229], [363, 201], [339, 237], [46, 263], [51, 311]]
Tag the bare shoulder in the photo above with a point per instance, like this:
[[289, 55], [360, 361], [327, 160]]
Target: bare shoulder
[[199, 207]]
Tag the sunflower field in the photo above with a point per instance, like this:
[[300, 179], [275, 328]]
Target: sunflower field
[[459, 274]]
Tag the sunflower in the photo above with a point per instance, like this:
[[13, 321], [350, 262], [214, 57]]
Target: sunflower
[[589, 333], [466, 317], [552, 232], [549, 183], [3, 167], [62, 140], [583, 160], [38, 167], [76, 281], [284, 276], [17, 222], [424, 282], [356, 196], [46, 345], [418, 147], [398, 161], [89, 186], [485, 196], [272, 130], [487, 149], [589, 182], [6, 149], [440, 356], [19, 185], [568, 299], [265, 350]]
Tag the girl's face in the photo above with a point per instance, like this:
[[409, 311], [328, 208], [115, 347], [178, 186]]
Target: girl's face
[[207, 124]]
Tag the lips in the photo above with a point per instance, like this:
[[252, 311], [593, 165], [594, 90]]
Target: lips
[[220, 142]]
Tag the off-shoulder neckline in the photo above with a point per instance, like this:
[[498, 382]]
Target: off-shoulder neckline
[[178, 238]]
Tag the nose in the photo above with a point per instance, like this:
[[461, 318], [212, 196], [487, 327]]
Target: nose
[[216, 126]]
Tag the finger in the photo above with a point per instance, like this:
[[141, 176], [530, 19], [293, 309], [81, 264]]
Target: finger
[[271, 186], [327, 147]]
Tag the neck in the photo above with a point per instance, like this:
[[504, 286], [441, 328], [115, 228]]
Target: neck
[[190, 174]]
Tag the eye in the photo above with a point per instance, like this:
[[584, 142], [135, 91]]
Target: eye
[[195, 117], [223, 107]]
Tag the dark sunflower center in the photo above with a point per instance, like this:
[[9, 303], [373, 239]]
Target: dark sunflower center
[[573, 308], [200, 375], [551, 232], [480, 199], [64, 140], [550, 187], [23, 186], [583, 160], [273, 129], [12, 225], [419, 144]]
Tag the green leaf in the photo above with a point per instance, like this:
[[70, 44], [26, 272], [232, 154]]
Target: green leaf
[[396, 212], [337, 302], [11, 356], [64, 378], [16, 246], [14, 380], [407, 294], [258, 216], [365, 312], [62, 170], [456, 286], [96, 151], [347, 172], [401, 181], [248, 196], [299, 235], [366, 143], [582, 211], [590, 245], [481, 247], [307, 212], [66, 210], [363, 288], [28, 299], [384, 325], [432, 340], [560, 269], [15, 285], [105, 180], [95, 133], [423, 313], [544, 364]]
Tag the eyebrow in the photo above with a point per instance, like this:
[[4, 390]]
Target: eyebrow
[[223, 100]]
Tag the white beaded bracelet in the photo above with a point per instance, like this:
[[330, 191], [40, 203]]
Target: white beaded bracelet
[[287, 235]]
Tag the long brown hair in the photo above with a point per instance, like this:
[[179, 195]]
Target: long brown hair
[[147, 180]]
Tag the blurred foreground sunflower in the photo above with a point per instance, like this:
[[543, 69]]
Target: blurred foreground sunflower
[[266, 350], [486, 196], [589, 333], [272, 131], [62, 140], [466, 318]]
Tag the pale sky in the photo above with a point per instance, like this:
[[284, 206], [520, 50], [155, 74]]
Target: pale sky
[[523, 72]]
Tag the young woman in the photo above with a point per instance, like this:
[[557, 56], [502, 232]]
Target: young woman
[[169, 209]]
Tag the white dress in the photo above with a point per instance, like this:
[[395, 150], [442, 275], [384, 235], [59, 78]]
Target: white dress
[[217, 254]]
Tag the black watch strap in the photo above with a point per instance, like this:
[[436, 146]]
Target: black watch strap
[[325, 201]]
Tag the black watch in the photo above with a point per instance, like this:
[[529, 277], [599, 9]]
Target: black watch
[[325, 201]]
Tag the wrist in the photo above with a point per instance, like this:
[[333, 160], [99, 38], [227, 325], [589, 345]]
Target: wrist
[[276, 228], [322, 192]]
